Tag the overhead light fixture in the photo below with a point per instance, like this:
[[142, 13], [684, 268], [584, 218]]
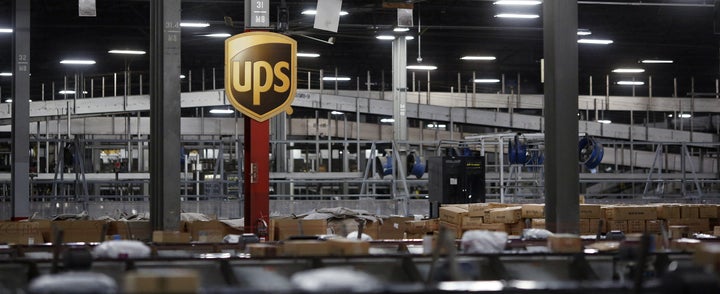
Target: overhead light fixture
[[584, 32], [486, 81], [182, 76], [685, 115], [339, 79], [385, 37], [478, 58], [9, 100], [604, 121], [335, 112], [421, 67], [194, 24], [595, 41], [221, 111], [628, 70], [218, 35], [409, 38], [128, 52], [69, 92], [516, 15], [400, 30], [78, 61], [518, 2], [656, 61], [631, 83], [308, 55], [5, 74], [436, 126], [314, 12], [4, 30], [387, 120]]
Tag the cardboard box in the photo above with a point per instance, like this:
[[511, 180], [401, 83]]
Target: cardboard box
[[417, 227], [456, 229], [287, 227], [652, 226], [452, 214], [45, 229], [595, 225], [533, 211], [305, 248], [668, 211], [206, 231], [585, 226], [171, 237], [131, 230], [707, 211], [345, 247], [80, 230], [162, 281], [471, 222], [20, 233], [393, 228], [477, 209], [716, 231], [262, 250], [708, 255], [630, 212], [617, 225], [537, 223], [508, 215], [515, 229], [590, 211], [689, 211], [685, 244], [697, 225], [636, 226], [494, 227], [565, 243], [677, 232]]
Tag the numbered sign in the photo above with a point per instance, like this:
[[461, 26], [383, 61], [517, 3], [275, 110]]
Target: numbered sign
[[261, 73], [259, 13]]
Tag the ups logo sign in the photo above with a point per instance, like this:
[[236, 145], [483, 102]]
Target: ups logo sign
[[261, 73]]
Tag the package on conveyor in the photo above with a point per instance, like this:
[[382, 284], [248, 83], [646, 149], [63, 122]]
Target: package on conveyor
[[533, 211], [337, 220], [81, 230], [507, 215], [213, 231], [20, 233], [716, 231], [697, 225], [162, 281], [452, 214], [481, 209], [416, 229], [590, 226], [630, 212], [565, 243], [708, 254]]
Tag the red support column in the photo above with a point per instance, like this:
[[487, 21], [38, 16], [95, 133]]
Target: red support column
[[257, 176]]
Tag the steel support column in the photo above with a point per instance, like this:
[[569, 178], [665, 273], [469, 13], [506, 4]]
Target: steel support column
[[279, 132], [399, 87], [257, 174], [165, 114], [561, 122], [21, 110]]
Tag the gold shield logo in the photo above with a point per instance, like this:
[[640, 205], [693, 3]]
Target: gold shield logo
[[261, 73]]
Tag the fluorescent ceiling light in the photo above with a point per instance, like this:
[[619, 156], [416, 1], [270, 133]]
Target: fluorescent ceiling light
[[339, 79], [478, 58], [584, 32], [604, 121], [401, 29], [387, 120], [595, 41], [516, 15], [69, 92], [656, 61], [628, 70], [4, 30], [335, 112], [685, 115], [9, 100], [194, 24], [129, 52], [218, 35], [517, 2], [422, 67], [77, 61], [314, 12], [182, 76], [309, 55], [385, 37], [631, 83], [432, 126], [409, 38], [221, 111], [5, 74], [486, 81]]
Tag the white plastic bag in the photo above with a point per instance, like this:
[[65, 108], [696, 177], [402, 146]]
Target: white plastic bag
[[121, 249], [477, 241]]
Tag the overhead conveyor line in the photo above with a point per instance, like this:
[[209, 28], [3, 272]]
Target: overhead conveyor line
[[312, 99]]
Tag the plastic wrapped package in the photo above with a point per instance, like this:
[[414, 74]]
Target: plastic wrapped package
[[335, 280], [536, 234], [73, 282], [121, 249], [354, 236], [478, 241]]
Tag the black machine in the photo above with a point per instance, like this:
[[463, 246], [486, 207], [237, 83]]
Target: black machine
[[455, 180]]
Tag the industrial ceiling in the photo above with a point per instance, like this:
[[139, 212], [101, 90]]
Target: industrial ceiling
[[677, 30]]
